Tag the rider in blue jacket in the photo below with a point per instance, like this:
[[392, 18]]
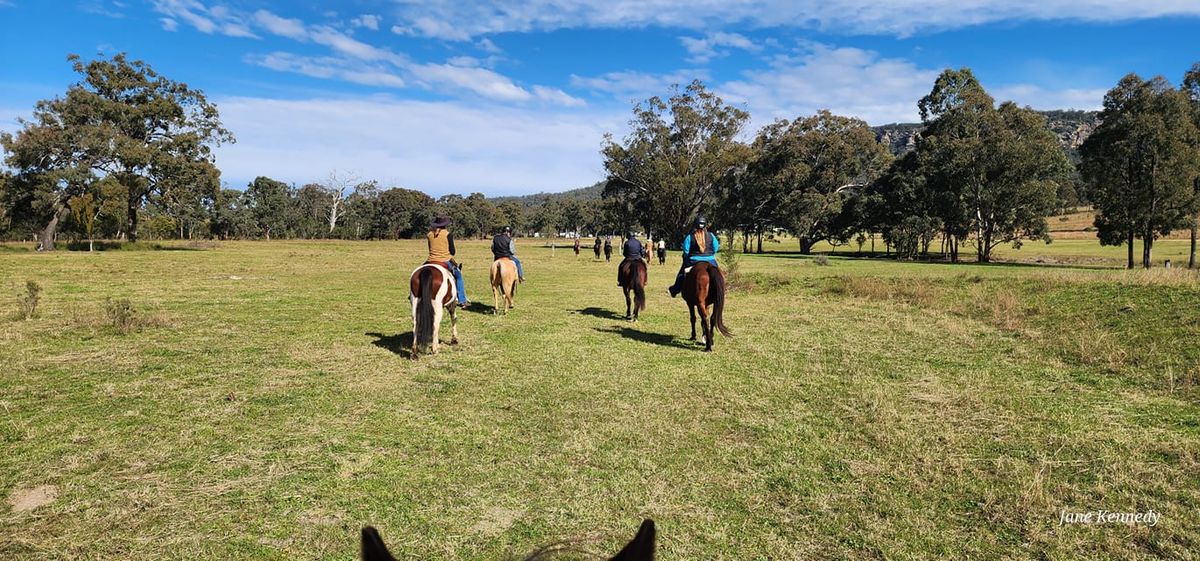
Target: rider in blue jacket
[[700, 245]]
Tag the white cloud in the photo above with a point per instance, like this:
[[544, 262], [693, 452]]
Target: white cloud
[[169, 24], [557, 96], [1038, 97], [328, 68], [634, 86], [704, 49], [481, 81], [344, 44], [369, 21], [433, 28], [845, 80], [487, 46], [462, 19], [285, 27], [204, 19], [439, 147]]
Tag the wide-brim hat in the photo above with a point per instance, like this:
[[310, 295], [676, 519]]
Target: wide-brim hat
[[441, 222]]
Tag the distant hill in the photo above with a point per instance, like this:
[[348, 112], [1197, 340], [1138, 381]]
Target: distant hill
[[1072, 128], [591, 192]]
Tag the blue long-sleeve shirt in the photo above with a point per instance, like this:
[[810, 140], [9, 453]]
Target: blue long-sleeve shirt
[[687, 248]]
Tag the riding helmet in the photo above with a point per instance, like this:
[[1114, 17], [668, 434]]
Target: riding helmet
[[701, 222], [508, 229]]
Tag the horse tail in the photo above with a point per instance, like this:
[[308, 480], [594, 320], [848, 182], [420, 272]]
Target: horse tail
[[424, 332], [498, 275], [716, 287], [636, 270]]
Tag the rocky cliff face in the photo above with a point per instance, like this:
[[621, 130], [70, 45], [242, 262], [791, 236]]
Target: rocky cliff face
[[1071, 127]]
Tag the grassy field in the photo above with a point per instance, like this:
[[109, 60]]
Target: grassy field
[[264, 407]]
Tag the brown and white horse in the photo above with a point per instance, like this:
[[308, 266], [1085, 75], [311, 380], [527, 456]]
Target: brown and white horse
[[504, 284], [632, 277], [431, 290], [704, 286], [640, 548]]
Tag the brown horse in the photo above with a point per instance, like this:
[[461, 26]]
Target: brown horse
[[640, 548], [632, 277], [431, 289], [704, 286], [504, 284]]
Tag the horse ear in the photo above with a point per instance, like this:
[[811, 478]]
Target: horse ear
[[641, 547], [373, 548]]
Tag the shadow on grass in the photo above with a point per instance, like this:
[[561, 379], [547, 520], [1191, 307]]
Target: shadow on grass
[[602, 313], [399, 344], [659, 339], [482, 309]]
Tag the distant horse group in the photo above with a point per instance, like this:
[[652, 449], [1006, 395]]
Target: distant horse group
[[432, 292]]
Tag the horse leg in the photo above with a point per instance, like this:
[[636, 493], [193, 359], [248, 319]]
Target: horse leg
[[692, 311], [706, 326], [495, 299], [437, 328], [454, 323], [627, 303]]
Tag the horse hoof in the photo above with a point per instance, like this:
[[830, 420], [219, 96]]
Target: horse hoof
[[454, 341]]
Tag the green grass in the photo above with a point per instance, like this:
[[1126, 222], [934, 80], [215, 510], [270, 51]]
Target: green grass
[[264, 409]]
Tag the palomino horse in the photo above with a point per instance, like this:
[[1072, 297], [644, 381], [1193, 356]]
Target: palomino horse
[[431, 289], [632, 276], [704, 286], [640, 548], [504, 284]]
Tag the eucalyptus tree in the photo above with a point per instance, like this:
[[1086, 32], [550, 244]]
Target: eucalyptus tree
[[122, 120], [678, 150], [1141, 164], [994, 172], [812, 171]]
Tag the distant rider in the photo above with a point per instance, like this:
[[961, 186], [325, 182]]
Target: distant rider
[[700, 245], [632, 250], [503, 245]]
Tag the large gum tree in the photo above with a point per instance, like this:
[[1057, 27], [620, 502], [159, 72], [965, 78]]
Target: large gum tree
[[124, 121]]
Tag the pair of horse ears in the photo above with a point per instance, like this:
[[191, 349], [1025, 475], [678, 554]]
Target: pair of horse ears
[[640, 548]]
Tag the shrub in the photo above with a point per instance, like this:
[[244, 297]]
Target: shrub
[[121, 314], [730, 265], [27, 303]]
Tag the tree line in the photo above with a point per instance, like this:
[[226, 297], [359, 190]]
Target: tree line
[[981, 174], [127, 152]]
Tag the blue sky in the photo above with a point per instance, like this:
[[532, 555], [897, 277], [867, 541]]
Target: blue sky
[[512, 97]]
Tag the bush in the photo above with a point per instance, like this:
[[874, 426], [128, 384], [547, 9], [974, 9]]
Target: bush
[[27, 303], [730, 265], [821, 260], [121, 314]]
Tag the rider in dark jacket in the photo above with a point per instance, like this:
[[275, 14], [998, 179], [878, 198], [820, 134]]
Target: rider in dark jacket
[[632, 250], [504, 246]]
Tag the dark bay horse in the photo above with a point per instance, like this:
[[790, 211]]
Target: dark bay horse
[[431, 290], [632, 277], [704, 286], [640, 548], [596, 248]]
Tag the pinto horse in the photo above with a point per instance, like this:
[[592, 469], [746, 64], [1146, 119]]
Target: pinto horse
[[504, 284], [631, 276], [704, 286], [640, 548], [431, 290]]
